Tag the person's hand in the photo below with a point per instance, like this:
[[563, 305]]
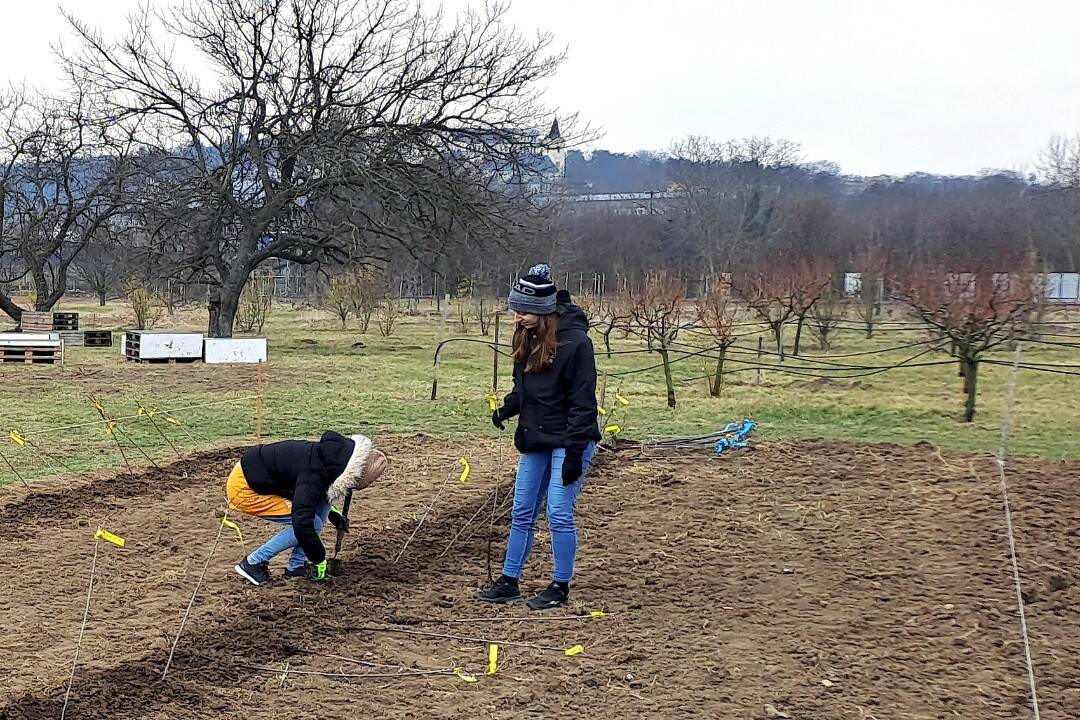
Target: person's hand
[[572, 467], [497, 420], [339, 521], [317, 571]]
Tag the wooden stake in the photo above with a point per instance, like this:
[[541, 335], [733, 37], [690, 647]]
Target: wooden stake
[[760, 370], [82, 629], [191, 602], [258, 401], [495, 356]]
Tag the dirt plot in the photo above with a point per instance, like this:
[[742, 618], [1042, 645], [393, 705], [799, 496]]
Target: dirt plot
[[803, 580]]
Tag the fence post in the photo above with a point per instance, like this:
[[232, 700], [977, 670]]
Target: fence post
[[760, 370]]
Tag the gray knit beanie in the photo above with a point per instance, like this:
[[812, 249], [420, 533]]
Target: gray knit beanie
[[534, 294]]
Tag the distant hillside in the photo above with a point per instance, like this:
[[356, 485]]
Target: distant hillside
[[607, 172]]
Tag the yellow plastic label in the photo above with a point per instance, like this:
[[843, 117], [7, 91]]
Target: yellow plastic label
[[97, 405], [613, 429], [493, 659], [17, 438], [109, 428], [172, 420], [109, 537], [622, 401], [141, 412], [460, 672], [596, 614], [576, 650], [230, 524], [466, 469], [601, 410], [493, 401]]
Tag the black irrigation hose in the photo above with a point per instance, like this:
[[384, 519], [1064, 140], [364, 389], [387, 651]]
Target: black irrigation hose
[[820, 360], [1025, 366]]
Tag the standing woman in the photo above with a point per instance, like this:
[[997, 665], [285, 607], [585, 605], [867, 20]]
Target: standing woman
[[555, 396]]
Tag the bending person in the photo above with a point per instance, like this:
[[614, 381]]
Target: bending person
[[300, 484], [555, 396]]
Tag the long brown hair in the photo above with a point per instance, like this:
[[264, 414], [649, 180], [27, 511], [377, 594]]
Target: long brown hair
[[536, 348]]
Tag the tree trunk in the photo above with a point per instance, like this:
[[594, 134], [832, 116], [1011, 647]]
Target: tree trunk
[[223, 310], [798, 335], [667, 377], [718, 379], [101, 297], [607, 339], [778, 336], [10, 308], [971, 377]]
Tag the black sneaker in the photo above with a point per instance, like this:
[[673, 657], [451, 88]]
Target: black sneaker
[[254, 573], [502, 591], [298, 574], [555, 596]]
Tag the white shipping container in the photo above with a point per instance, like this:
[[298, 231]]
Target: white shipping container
[[218, 351]]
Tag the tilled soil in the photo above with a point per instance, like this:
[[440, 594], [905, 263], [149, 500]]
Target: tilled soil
[[803, 580]]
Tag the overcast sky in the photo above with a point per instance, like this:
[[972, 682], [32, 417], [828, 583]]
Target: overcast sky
[[878, 86]]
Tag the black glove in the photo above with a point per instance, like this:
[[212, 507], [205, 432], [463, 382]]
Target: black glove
[[572, 467], [497, 420], [339, 521]]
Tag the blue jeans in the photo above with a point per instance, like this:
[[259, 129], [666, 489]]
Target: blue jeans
[[286, 540], [539, 477]]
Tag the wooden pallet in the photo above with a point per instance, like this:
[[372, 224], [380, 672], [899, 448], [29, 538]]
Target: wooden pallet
[[73, 339], [160, 361], [30, 356], [34, 322], [97, 338], [65, 321]]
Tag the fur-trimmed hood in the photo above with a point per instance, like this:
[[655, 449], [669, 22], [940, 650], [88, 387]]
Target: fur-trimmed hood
[[348, 457]]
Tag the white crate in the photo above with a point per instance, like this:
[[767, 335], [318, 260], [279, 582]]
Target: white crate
[[234, 350], [163, 346]]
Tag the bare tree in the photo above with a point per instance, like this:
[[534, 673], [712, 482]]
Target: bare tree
[[255, 303], [976, 311], [871, 263], [768, 293], [62, 185], [103, 265], [827, 314], [389, 313], [335, 128], [716, 313], [146, 304], [657, 313], [1059, 162], [338, 296], [729, 190], [367, 292]]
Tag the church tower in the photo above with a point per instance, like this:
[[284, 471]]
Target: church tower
[[556, 148]]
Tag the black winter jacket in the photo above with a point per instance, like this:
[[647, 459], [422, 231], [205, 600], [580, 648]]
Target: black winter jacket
[[557, 406], [300, 471]]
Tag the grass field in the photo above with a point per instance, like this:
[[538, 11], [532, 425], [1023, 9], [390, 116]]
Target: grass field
[[316, 379]]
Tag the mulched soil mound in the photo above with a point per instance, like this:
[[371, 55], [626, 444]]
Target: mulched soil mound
[[802, 580]]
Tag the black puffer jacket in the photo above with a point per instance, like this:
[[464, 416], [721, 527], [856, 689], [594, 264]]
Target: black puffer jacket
[[300, 471], [557, 406]]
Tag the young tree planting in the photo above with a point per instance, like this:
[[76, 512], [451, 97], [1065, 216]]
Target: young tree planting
[[975, 311], [716, 313], [657, 314]]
